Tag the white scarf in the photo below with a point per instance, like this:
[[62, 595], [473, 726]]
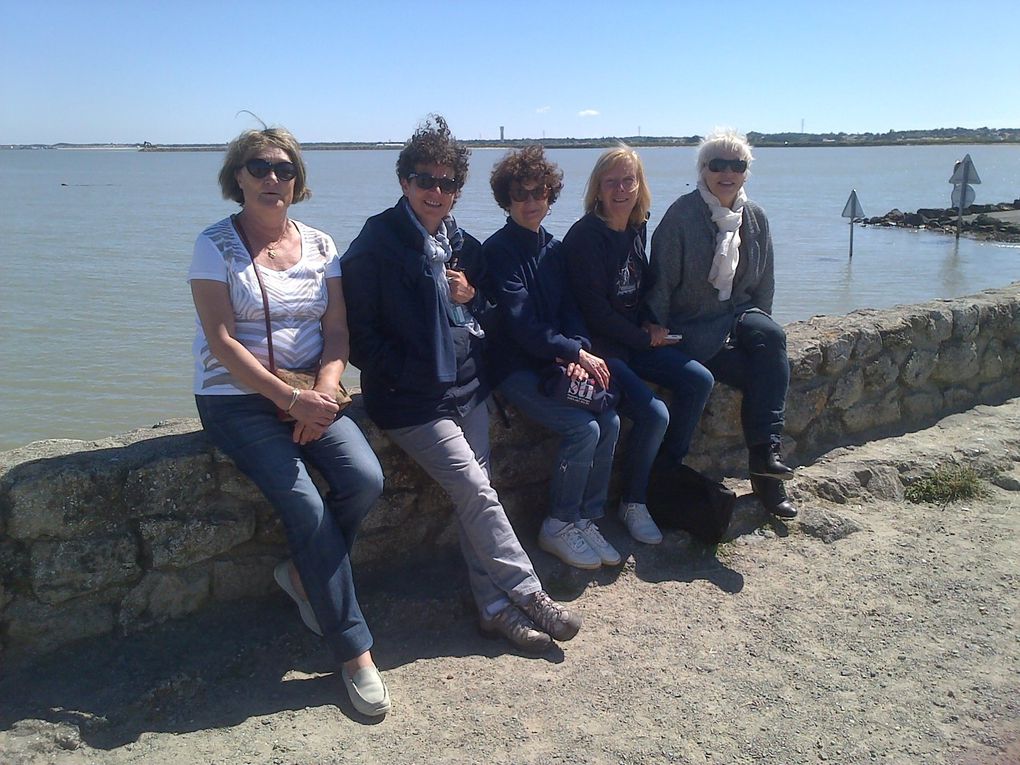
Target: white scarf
[[727, 240]]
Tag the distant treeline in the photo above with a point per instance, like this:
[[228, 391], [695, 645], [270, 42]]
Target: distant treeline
[[981, 135]]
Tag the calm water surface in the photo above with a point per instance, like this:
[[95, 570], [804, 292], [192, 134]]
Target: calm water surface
[[97, 316]]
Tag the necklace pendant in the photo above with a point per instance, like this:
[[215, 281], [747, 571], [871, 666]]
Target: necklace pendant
[[271, 252]]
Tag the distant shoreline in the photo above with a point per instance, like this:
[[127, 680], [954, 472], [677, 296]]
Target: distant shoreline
[[939, 137]]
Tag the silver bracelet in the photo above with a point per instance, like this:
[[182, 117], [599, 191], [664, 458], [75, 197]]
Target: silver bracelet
[[294, 394]]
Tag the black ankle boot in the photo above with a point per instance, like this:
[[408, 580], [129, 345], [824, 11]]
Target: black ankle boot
[[766, 460], [772, 494]]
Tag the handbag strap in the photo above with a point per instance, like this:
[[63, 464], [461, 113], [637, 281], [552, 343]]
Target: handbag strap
[[235, 219]]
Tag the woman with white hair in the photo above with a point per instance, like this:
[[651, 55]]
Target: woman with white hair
[[713, 284]]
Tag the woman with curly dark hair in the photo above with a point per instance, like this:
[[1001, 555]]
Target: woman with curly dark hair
[[408, 280], [536, 325]]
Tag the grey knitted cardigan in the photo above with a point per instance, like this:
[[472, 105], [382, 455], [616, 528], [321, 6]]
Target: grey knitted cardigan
[[682, 298]]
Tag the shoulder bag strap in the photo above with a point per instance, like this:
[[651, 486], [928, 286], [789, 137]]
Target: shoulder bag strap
[[262, 287]]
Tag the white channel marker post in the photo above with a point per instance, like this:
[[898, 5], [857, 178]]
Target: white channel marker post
[[853, 211]]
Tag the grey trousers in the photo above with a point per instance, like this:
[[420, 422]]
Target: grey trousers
[[455, 452]]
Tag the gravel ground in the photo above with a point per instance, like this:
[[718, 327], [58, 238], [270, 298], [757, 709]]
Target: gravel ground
[[869, 630]]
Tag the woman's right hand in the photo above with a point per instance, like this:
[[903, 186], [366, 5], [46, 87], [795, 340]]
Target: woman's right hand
[[596, 367], [314, 409]]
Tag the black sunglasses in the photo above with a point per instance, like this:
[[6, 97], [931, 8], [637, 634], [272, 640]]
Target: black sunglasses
[[428, 181], [719, 164], [521, 194], [259, 168]]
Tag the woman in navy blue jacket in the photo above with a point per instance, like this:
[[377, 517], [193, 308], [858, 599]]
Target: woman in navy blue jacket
[[408, 285], [605, 253], [536, 324]]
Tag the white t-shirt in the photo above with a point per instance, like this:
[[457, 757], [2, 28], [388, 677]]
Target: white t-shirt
[[297, 301]]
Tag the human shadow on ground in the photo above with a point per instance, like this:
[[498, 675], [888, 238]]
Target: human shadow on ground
[[222, 666]]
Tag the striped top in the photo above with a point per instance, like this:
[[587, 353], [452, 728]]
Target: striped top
[[297, 301]]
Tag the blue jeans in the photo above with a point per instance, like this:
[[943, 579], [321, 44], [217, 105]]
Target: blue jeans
[[320, 532], [690, 384], [580, 485], [650, 419], [755, 362]]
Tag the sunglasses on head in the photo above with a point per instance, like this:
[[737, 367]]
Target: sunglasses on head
[[259, 168], [428, 181], [521, 194], [719, 164]]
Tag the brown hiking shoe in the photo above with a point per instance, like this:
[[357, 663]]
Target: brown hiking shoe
[[550, 615], [516, 627]]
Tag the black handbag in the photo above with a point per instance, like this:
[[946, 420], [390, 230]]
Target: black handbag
[[680, 497]]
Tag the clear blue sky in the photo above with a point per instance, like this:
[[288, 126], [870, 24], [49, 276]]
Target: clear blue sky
[[178, 72]]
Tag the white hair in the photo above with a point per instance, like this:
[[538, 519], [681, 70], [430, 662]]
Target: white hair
[[722, 141]]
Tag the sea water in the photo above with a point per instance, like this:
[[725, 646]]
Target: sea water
[[96, 315]]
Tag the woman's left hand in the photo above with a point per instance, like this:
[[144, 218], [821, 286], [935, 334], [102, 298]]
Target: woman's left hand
[[305, 433], [461, 290]]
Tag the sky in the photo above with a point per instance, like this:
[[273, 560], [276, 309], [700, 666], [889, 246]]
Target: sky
[[105, 71]]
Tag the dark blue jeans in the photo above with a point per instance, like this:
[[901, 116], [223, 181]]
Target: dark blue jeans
[[690, 384], [755, 362], [320, 532], [650, 419]]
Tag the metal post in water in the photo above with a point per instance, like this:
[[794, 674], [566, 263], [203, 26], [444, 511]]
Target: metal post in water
[[852, 210], [964, 174]]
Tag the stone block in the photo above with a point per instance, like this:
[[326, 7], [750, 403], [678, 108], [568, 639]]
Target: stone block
[[525, 464], [803, 406], [966, 318], [181, 541], [837, 352], [70, 499], [247, 577], [880, 374], [872, 414], [721, 418], [992, 365], [163, 595], [175, 485], [66, 569], [804, 362], [869, 343], [392, 510], [33, 627], [848, 389], [957, 363], [918, 367], [922, 408]]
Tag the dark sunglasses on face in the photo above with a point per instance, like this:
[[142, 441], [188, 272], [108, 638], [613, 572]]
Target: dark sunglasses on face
[[719, 164], [259, 168], [428, 181], [521, 194]]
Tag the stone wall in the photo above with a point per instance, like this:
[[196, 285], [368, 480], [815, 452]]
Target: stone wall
[[122, 533]]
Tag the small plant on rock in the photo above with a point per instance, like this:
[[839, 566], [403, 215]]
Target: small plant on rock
[[945, 484]]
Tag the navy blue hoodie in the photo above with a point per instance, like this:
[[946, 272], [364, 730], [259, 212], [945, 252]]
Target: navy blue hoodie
[[535, 319]]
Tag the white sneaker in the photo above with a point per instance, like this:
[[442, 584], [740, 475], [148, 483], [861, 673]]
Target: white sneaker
[[570, 547], [609, 554], [639, 523]]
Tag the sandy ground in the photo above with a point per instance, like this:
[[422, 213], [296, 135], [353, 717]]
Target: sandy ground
[[869, 630]]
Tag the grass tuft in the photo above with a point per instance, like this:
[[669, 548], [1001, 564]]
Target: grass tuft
[[945, 484]]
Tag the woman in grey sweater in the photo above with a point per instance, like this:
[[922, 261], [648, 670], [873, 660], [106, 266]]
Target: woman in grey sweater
[[712, 274]]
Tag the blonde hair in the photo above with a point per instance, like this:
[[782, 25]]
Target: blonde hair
[[609, 159]]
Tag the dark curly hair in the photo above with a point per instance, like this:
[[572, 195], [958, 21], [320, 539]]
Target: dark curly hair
[[433, 144], [528, 164]]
